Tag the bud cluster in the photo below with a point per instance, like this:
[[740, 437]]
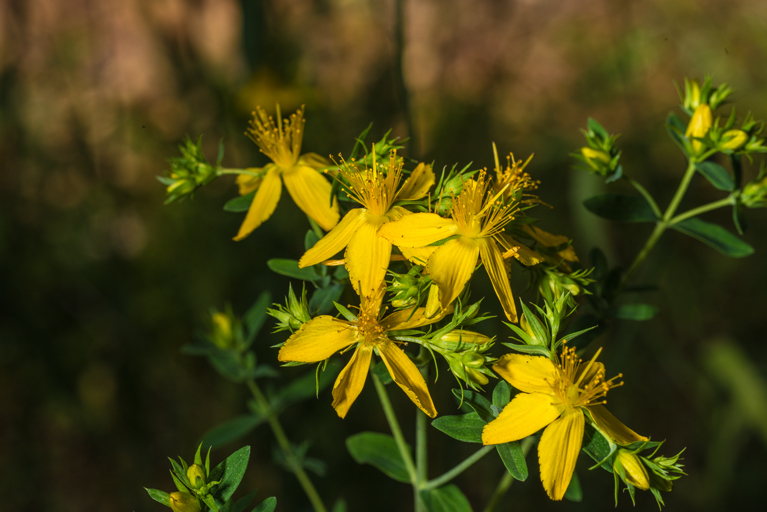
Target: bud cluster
[[192, 482], [449, 187], [754, 194], [293, 314], [410, 289], [190, 171], [651, 473], [601, 156]]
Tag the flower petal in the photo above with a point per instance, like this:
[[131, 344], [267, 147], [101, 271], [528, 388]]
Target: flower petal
[[418, 230], [335, 241], [405, 373], [558, 452], [418, 255], [547, 239], [612, 426], [263, 205], [531, 374], [351, 380], [493, 262], [311, 192], [524, 254], [247, 183], [313, 160], [525, 415], [409, 319], [451, 266], [367, 256], [418, 184], [318, 339]]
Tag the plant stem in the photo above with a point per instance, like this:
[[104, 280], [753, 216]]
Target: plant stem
[[680, 191], [221, 171], [650, 200], [701, 209], [396, 431], [507, 479], [458, 469], [287, 448]]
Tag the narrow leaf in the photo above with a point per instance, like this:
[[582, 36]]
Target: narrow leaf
[[240, 204], [715, 236], [621, 208], [477, 402], [463, 427], [448, 498], [268, 505], [514, 459], [501, 394], [290, 268], [574, 491], [230, 472], [716, 175], [159, 496], [380, 451], [231, 430]]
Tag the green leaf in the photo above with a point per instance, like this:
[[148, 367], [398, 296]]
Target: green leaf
[[231, 430], [716, 175], [638, 312], [477, 402], [230, 473], [379, 450], [268, 505], [448, 498], [290, 268], [715, 236], [514, 459], [574, 492], [501, 394], [227, 364], [304, 387], [596, 446], [463, 427], [340, 505], [536, 350], [621, 208], [739, 218], [159, 496], [310, 239], [255, 317], [597, 128], [382, 372], [675, 128], [322, 299], [241, 504], [240, 204]]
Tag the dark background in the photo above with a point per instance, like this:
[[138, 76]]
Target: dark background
[[100, 284]]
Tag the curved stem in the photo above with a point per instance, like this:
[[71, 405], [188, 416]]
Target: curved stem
[[282, 440], [507, 479], [396, 431], [458, 469], [727, 201], [649, 198], [680, 191]]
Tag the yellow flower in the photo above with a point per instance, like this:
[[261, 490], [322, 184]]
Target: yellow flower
[[376, 189], [513, 180], [325, 335], [700, 122], [547, 239], [477, 222], [555, 396], [307, 187]]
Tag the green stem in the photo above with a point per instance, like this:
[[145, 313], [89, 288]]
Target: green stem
[[458, 469], [506, 480], [396, 431], [680, 192], [727, 201], [287, 448], [221, 171], [650, 200]]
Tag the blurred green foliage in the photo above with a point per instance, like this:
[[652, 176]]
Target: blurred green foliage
[[100, 285]]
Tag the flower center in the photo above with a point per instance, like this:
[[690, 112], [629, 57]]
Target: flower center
[[374, 187], [579, 384], [281, 141], [479, 214], [369, 331]]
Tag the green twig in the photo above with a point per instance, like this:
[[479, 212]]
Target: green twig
[[507, 479], [396, 431], [649, 198], [287, 448], [221, 171], [727, 201], [458, 469]]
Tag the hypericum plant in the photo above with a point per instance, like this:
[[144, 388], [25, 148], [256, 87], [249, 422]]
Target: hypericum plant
[[405, 243]]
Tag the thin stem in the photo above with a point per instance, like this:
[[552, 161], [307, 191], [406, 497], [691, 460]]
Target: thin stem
[[650, 200], [680, 191], [421, 453], [396, 431], [727, 201], [458, 469], [506, 480], [660, 227], [221, 171], [287, 448]]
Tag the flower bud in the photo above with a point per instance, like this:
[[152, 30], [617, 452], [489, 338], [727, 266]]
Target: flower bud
[[222, 330], [196, 475], [459, 339], [595, 154], [733, 139], [525, 326], [183, 502], [473, 360], [433, 304], [699, 125], [634, 470], [694, 99], [755, 194]]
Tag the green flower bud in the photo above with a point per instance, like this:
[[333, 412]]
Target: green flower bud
[[459, 339], [633, 468], [183, 502], [593, 154], [733, 139], [196, 475], [660, 483], [699, 125], [694, 98], [473, 360], [755, 194], [525, 326]]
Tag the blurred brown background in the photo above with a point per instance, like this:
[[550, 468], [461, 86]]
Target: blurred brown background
[[100, 284]]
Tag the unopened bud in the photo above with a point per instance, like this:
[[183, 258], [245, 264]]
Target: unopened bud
[[593, 154], [699, 125], [635, 472], [460, 339], [432, 303], [196, 475], [733, 139], [473, 360], [694, 100], [183, 502]]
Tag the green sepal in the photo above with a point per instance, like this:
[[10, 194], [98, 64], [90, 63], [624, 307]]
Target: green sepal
[[462, 427], [622, 208], [345, 312], [380, 451], [714, 236], [241, 203]]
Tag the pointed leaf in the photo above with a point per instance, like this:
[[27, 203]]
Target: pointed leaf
[[621, 208], [574, 492], [596, 446], [379, 450], [240, 204], [159, 496], [322, 299], [716, 175], [514, 459], [463, 427], [232, 430], [636, 312], [715, 236], [241, 504], [501, 394], [230, 472], [256, 315], [268, 505], [448, 498], [477, 402], [290, 268]]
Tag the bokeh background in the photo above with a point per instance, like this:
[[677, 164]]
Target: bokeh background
[[100, 284]]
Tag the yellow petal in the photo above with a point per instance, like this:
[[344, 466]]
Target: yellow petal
[[313, 160], [311, 192], [264, 203], [524, 254], [351, 380], [406, 375], [547, 239], [558, 452], [247, 183], [525, 415], [418, 255], [418, 230], [318, 339], [451, 266], [409, 319], [335, 241], [397, 212], [367, 256], [612, 426], [531, 374], [418, 184], [493, 262]]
